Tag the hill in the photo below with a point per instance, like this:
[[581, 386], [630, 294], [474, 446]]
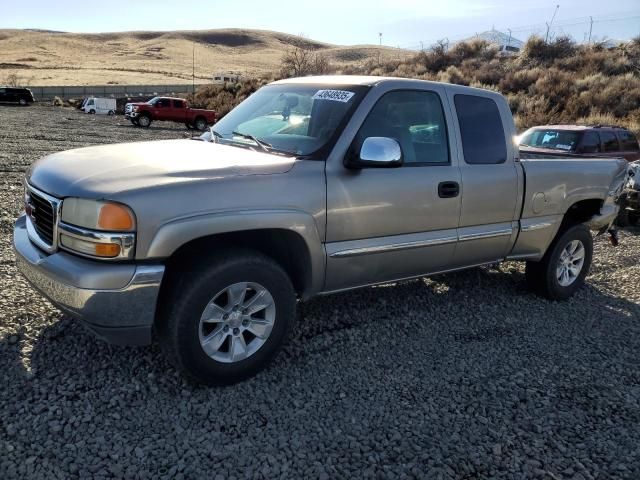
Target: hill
[[58, 58]]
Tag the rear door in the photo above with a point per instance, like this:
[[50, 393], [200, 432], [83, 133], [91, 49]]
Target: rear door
[[490, 179], [179, 111], [390, 223]]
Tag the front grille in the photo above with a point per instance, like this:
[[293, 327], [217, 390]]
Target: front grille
[[43, 217]]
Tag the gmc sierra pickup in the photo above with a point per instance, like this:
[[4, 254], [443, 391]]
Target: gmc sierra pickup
[[310, 186]]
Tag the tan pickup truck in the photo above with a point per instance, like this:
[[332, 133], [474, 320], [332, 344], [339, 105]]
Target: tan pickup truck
[[310, 186]]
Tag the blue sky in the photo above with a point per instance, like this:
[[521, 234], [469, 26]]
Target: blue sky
[[402, 22]]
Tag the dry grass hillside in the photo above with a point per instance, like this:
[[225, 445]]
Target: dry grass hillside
[[58, 58]]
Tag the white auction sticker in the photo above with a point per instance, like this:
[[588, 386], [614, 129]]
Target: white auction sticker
[[335, 95]]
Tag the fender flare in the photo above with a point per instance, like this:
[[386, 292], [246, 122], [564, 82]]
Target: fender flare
[[176, 233]]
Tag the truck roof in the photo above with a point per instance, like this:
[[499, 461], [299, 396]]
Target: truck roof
[[578, 127], [370, 80]]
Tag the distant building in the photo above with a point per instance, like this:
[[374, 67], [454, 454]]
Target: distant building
[[227, 77], [506, 43]]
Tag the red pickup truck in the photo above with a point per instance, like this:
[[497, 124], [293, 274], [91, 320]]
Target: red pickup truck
[[169, 110]]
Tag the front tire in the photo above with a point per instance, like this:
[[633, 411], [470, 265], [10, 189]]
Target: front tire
[[562, 270], [144, 121], [226, 318], [22, 102]]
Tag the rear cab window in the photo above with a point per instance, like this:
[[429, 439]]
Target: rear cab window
[[481, 129], [178, 104]]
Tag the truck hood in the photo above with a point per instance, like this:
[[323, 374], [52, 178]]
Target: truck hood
[[97, 172]]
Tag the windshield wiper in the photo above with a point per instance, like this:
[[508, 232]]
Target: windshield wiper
[[262, 144]]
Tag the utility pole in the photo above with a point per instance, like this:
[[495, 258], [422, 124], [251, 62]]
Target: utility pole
[[546, 38], [508, 41], [380, 38], [590, 29], [421, 46], [193, 73]]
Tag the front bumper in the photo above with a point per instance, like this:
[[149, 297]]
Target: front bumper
[[117, 302], [131, 115]]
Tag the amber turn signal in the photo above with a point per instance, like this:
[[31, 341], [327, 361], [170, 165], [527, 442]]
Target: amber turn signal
[[115, 217], [107, 249]]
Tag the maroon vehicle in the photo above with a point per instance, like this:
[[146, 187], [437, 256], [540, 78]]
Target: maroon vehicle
[[169, 110], [579, 141]]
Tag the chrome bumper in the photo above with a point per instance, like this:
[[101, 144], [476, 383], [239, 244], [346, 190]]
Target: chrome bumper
[[115, 301]]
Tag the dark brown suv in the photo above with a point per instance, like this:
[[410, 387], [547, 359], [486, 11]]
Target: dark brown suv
[[579, 141]]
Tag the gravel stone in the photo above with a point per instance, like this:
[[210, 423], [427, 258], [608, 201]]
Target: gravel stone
[[467, 375]]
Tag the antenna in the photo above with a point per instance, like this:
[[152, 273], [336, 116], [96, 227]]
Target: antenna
[[193, 74]]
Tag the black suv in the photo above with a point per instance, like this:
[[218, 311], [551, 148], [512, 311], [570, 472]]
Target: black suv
[[21, 96]]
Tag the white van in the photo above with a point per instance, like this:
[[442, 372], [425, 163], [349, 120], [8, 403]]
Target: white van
[[103, 106]]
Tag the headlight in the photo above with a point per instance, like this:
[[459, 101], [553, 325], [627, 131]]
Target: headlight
[[97, 215], [97, 229]]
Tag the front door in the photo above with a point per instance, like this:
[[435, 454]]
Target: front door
[[385, 224]]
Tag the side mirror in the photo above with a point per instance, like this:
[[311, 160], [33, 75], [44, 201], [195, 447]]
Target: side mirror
[[377, 152]]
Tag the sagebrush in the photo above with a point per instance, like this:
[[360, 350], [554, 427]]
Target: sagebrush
[[547, 82]]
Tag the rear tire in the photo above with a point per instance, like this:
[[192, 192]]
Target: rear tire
[[22, 102], [144, 121], [111, 112], [201, 124], [224, 286], [562, 270]]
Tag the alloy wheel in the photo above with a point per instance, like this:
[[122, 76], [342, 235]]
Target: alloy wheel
[[236, 322], [570, 263]]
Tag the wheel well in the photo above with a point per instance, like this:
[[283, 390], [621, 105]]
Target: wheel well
[[581, 211], [200, 117], [287, 248]]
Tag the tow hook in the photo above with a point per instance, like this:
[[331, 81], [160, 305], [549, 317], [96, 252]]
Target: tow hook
[[613, 237]]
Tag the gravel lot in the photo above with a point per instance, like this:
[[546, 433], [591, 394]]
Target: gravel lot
[[459, 376]]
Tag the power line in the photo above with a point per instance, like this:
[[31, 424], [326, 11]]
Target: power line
[[541, 27]]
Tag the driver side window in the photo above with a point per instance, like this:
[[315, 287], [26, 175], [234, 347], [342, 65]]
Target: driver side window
[[415, 119]]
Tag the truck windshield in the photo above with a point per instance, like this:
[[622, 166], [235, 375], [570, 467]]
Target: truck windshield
[[297, 119], [566, 140]]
